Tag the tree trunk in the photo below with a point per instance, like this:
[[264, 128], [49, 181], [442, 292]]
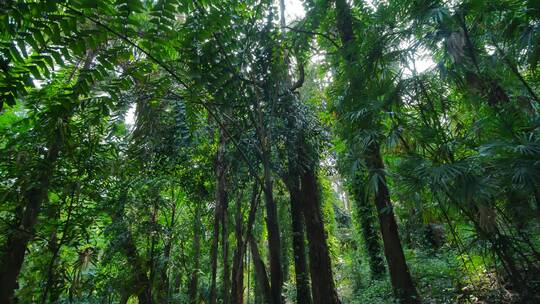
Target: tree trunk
[[34, 197], [238, 289], [322, 279], [399, 271], [220, 217], [272, 222], [260, 272], [274, 243], [368, 229], [303, 295], [153, 241], [223, 201], [237, 286]]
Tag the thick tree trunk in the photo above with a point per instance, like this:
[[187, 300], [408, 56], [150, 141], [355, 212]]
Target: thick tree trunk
[[303, 294], [369, 232], [260, 272], [34, 197], [322, 278], [145, 296], [17, 241], [399, 271], [140, 284], [237, 285], [272, 226]]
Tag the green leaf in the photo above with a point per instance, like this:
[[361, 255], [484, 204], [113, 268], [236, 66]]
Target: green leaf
[[57, 57], [34, 70]]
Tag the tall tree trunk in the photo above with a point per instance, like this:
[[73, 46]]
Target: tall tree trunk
[[220, 217], [303, 294], [400, 277], [272, 221], [260, 272], [399, 271], [286, 243], [368, 229], [223, 201], [237, 293], [237, 285], [33, 198], [194, 280], [322, 278]]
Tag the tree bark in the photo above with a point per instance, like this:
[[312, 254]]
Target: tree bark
[[237, 289], [220, 217], [368, 229], [303, 295], [399, 271], [34, 197], [237, 286], [322, 279], [272, 221], [260, 272]]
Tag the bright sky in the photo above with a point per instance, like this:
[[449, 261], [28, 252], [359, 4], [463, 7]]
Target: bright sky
[[294, 10], [130, 117]]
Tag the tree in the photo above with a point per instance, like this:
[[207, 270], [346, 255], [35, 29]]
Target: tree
[[197, 151]]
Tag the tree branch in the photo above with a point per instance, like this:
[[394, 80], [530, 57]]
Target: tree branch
[[315, 34]]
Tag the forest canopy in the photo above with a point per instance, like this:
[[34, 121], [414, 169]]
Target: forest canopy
[[269, 151]]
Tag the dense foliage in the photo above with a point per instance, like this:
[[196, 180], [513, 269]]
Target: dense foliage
[[219, 151]]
